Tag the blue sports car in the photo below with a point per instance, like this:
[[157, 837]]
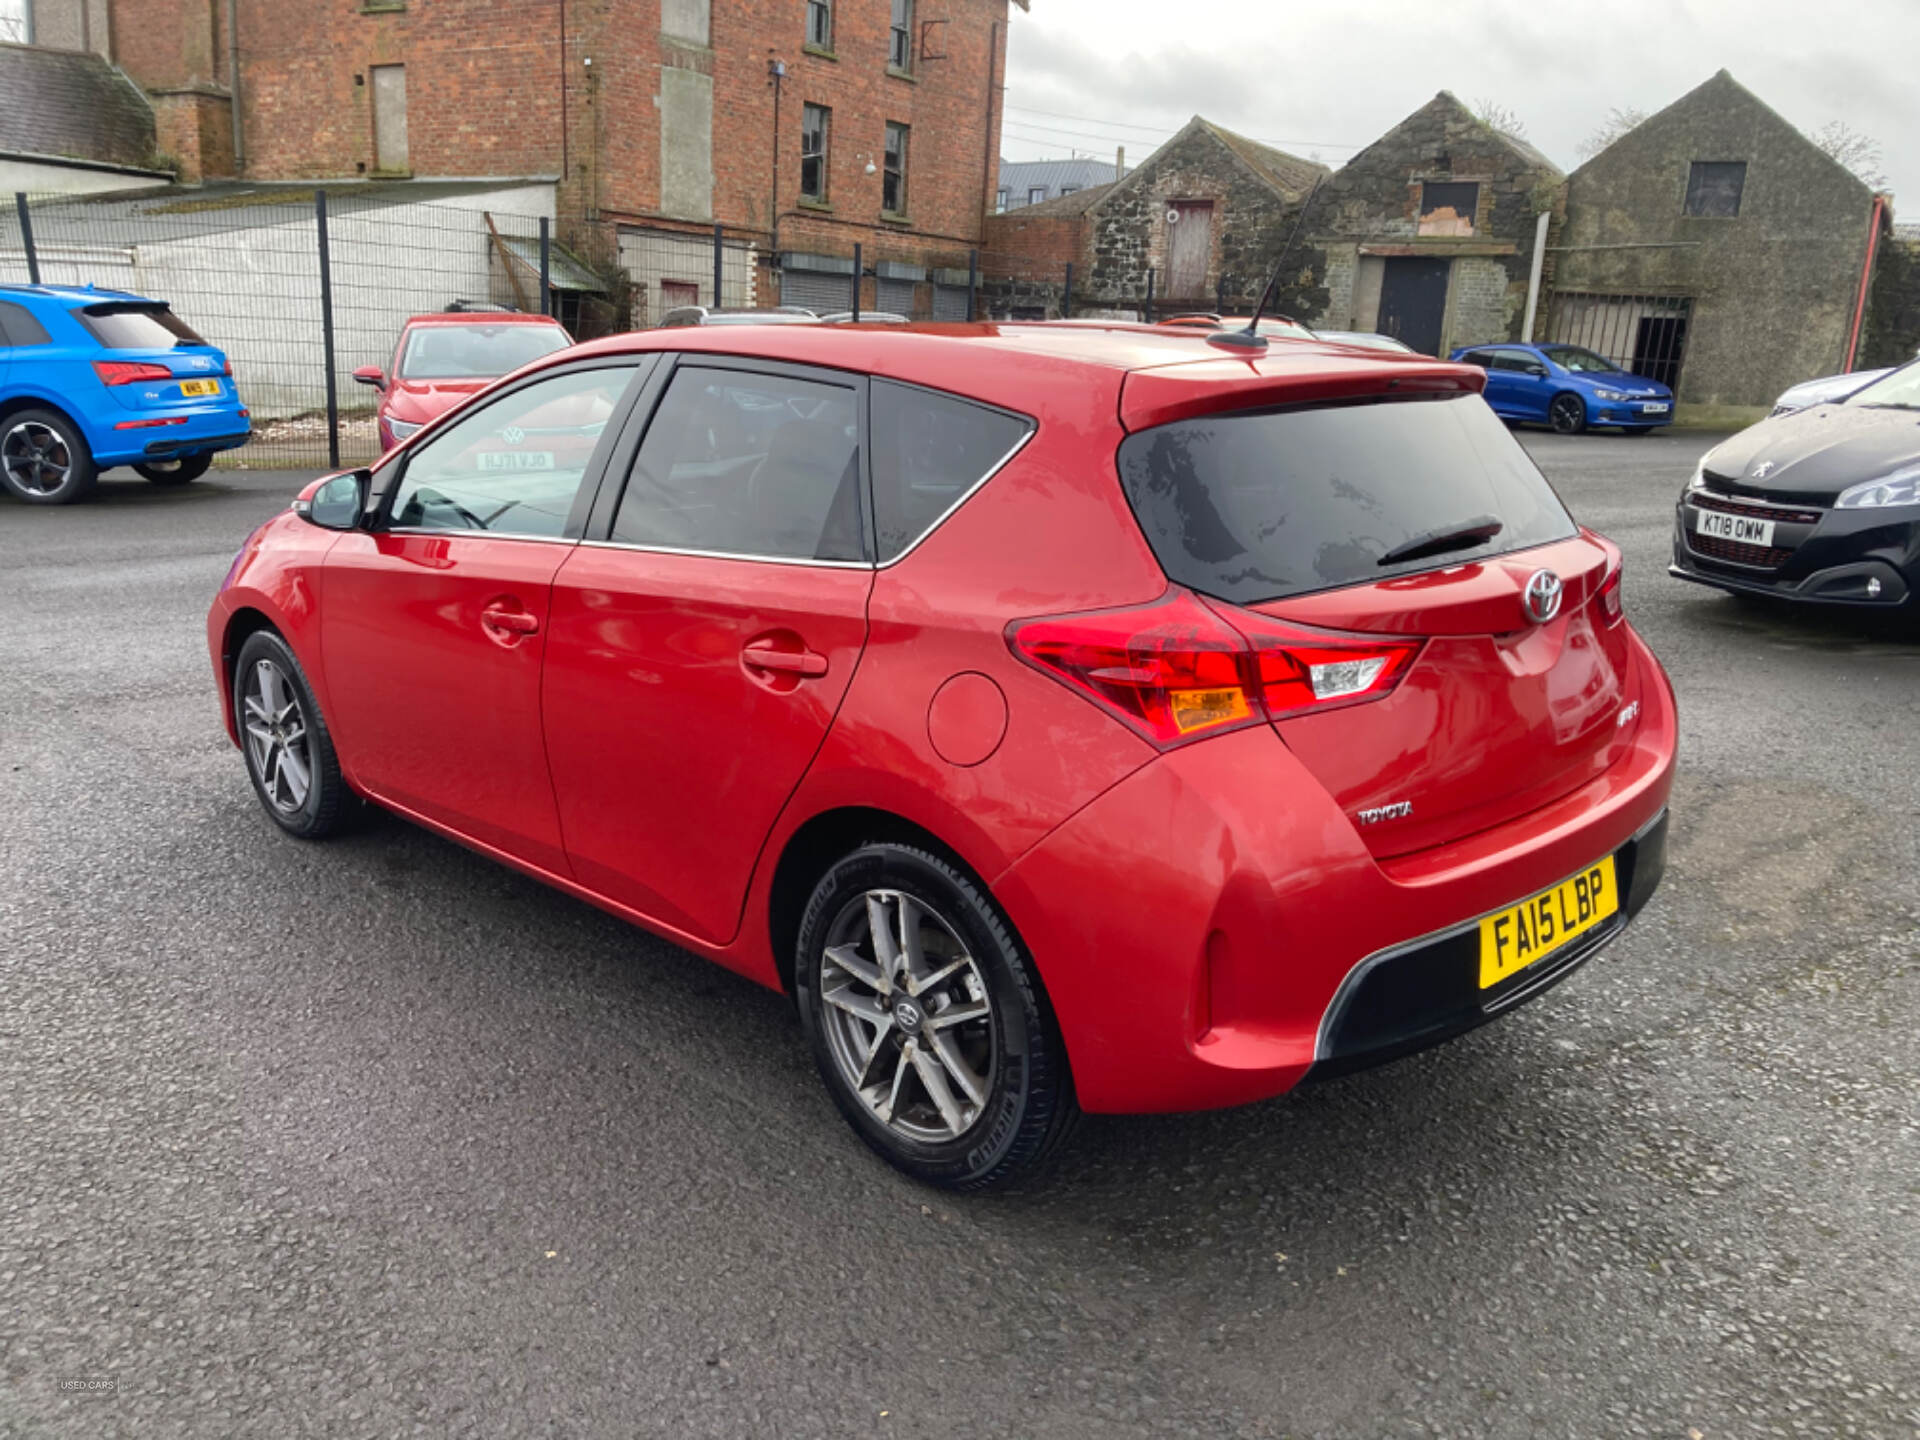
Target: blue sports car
[[1568, 387], [95, 378]]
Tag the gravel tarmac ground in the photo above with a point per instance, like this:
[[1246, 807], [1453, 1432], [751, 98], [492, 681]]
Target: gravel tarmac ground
[[376, 1138]]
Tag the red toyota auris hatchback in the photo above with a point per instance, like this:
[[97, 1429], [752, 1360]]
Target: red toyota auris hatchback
[[1069, 717]]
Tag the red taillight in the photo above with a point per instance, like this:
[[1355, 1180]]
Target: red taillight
[[150, 424], [1182, 667], [226, 367], [128, 372], [1612, 603]]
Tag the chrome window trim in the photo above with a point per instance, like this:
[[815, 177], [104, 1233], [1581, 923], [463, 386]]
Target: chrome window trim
[[476, 534], [1359, 972], [1033, 428], [728, 555]]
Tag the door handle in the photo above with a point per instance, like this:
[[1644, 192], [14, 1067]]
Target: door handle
[[513, 622], [805, 663]]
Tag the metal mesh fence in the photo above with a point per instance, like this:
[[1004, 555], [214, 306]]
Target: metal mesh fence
[[302, 286], [1646, 334]]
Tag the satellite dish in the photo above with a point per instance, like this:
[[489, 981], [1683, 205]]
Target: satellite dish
[[1173, 217]]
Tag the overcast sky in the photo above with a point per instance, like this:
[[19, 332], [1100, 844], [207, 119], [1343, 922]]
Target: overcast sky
[[1324, 79]]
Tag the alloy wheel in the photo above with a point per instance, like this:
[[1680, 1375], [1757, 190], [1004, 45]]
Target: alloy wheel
[[908, 1018], [277, 739], [36, 457], [1569, 415]]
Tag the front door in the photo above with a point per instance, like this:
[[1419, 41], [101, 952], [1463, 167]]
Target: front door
[[1413, 302], [433, 627], [1189, 247], [699, 648]]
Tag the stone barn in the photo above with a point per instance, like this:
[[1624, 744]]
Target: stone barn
[[1718, 249], [1429, 233], [1207, 214]]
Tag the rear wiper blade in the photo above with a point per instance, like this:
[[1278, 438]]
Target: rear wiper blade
[[1463, 536]]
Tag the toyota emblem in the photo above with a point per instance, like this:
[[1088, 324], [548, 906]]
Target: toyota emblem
[[1544, 594]]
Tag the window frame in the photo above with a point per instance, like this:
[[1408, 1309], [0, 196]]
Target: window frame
[[822, 8], [598, 533], [1428, 208], [1694, 169], [8, 341], [1003, 195], [1036, 195], [904, 195], [895, 29], [388, 478], [824, 154]]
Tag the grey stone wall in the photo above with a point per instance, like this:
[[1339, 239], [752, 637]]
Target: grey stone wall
[[1371, 208], [1773, 289], [1893, 318]]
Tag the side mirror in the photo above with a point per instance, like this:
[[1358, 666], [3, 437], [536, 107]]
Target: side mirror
[[371, 375], [340, 503]]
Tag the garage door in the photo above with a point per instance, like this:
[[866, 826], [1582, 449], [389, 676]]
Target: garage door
[[815, 290], [894, 296], [949, 302]]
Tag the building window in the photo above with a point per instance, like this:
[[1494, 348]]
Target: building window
[[1036, 194], [1448, 208], [893, 181], [900, 55], [1714, 188], [1066, 190], [389, 86], [814, 121], [1000, 200], [16, 22], [820, 23]]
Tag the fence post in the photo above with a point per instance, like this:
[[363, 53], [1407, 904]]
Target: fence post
[[858, 270], [1149, 311], [26, 236], [1066, 300], [719, 273], [973, 283], [546, 266], [326, 329]]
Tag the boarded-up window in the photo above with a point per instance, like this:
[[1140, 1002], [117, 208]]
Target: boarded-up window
[[675, 293], [1448, 207], [686, 143], [390, 119], [1714, 188], [687, 19]]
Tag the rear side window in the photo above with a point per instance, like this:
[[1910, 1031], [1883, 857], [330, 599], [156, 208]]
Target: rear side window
[[752, 465], [1259, 506], [137, 327], [929, 452], [19, 326]]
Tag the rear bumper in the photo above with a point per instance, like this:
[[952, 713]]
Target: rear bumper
[[201, 432], [1205, 928]]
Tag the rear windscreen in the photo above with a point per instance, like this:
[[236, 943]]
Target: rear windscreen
[[1262, 505], [137, 327]]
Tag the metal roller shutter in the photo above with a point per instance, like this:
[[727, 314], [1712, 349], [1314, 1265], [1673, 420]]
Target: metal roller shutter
[[815, 290], [949, 302], [894, 296]]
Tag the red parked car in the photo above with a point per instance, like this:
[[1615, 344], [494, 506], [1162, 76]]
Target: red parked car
[[1069, 717], [442, 360]]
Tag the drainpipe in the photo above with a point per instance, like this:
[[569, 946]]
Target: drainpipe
[[233, 87], [1539, 267], [986, 165], [1866, 284]]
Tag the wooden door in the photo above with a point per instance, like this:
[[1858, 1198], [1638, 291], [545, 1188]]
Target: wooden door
[[1413, 302], [1189, 247]]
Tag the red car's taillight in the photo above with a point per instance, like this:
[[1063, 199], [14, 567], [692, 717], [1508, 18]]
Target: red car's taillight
[[1181, 668], [129, 372], [1612, 603]]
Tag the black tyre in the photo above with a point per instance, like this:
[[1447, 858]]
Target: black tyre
[[176, 472], [928, 1022], [1568, 413], [284, 736], [44, 459]]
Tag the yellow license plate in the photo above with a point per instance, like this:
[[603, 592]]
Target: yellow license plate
[[199, 387], [1534, 929]]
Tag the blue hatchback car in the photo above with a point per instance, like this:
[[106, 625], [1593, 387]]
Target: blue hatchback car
[[92, 378], [1568, 387]]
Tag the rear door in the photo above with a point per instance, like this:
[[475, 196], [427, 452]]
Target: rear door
[[434, 626], [1291, 519], [703, 636]]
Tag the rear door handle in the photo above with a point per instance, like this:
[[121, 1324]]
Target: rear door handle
[[791, 662], [514, 622]]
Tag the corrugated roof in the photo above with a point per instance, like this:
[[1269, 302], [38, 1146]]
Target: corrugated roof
[[61, 102], [1017, 177], [1077, 203]]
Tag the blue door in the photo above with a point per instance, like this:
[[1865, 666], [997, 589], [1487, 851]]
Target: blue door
[[1525, 386]]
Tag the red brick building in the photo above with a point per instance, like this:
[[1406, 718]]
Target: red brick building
[[658, 115]]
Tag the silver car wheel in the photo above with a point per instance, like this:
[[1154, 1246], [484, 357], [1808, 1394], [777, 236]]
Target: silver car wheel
[[276, 730], [36, 458], [908, 1017]]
